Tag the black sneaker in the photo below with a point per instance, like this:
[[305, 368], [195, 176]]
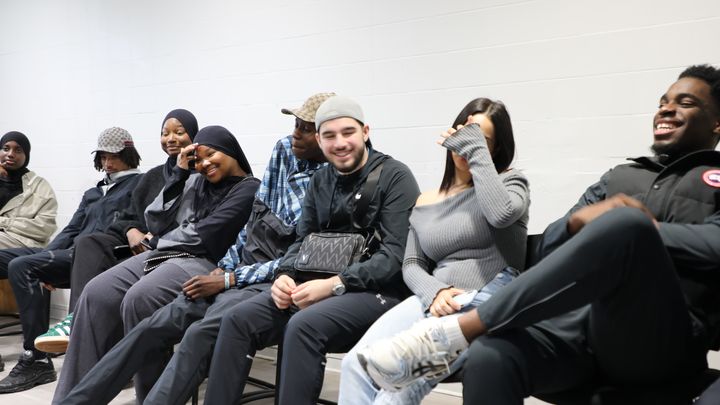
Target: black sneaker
[[28, 373]]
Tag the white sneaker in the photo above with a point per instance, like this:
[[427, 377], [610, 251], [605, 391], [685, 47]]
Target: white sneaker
[[423, 351]]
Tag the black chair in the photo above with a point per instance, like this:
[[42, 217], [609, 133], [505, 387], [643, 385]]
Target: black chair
[[8, 308], [268, 389]]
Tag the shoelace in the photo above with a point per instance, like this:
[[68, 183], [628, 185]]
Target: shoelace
[[19, 367]]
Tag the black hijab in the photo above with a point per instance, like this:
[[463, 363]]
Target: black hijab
[[188, 121], [209, 195], [11, 185]]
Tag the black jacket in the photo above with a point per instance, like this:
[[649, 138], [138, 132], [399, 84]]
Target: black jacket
[[686, 202], [328, 205], [179, 224], [96, 211], [133, 216]]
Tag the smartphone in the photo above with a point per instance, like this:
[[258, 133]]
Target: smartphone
[[465, 298], [122, 251], [191, 160], [146, 243]]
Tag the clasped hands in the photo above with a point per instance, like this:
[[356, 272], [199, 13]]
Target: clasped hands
[[285, 292]]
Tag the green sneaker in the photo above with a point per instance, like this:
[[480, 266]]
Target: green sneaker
[[57, 338]]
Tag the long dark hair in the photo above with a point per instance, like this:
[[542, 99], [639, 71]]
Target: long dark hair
[[504, 150]]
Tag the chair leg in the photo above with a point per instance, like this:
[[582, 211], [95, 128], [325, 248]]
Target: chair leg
[[8, 308], [269, 389]]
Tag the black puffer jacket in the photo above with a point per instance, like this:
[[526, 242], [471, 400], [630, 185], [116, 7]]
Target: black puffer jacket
[[684, 197]]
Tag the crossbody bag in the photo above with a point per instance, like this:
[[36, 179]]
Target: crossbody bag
[[325, 254]]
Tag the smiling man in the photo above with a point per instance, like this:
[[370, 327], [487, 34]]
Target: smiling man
[[627, 292], [315, 315]]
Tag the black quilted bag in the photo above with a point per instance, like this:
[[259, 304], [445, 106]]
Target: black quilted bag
[[324, 254], [329, 252]]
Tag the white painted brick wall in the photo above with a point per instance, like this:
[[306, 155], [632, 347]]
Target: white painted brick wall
[[581, 79]]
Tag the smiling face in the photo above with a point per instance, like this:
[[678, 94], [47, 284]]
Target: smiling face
[[215, 165], [12, 156], [687, 120], [173, 137], [342, 141]]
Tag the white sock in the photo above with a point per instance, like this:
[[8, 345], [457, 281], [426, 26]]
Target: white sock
[[451, 326]]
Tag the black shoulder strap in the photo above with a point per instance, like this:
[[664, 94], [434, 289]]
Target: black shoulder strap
[[362, 198]]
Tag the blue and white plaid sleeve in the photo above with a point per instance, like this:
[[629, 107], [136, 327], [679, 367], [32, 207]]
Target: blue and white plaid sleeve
[[256, 273], [232, 257]]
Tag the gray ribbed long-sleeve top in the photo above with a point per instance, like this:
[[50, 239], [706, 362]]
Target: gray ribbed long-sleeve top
[[464, 240]]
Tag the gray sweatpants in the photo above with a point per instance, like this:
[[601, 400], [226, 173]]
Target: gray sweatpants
[[195, 322], [113, 303]]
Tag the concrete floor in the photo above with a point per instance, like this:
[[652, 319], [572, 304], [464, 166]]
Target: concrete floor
[[263, 369]]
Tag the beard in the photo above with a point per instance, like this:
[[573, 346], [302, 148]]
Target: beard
[[356, 162], [672, 150]]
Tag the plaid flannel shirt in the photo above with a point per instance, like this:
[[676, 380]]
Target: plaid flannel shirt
[[283, 188]]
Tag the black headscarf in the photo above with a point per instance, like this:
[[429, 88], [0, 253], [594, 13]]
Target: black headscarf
[[208, 194], [11, 185], [221, 139], [189, 122]]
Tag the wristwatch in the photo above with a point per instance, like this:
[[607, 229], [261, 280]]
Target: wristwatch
[[338, 289]]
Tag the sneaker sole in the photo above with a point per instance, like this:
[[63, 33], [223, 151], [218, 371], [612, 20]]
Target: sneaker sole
[[44, 378], [52, 344]]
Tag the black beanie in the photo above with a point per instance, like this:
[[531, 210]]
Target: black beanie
[[21, 139], [186, 118], [221, 139]]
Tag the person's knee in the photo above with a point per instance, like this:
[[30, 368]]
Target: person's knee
[[491, 363], [239, 321], [84, 242], [22, 272], [630, 222], [17, 270], [136, 305], [301, 324]]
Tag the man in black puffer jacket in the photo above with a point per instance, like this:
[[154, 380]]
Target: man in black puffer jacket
[[627, 292]]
